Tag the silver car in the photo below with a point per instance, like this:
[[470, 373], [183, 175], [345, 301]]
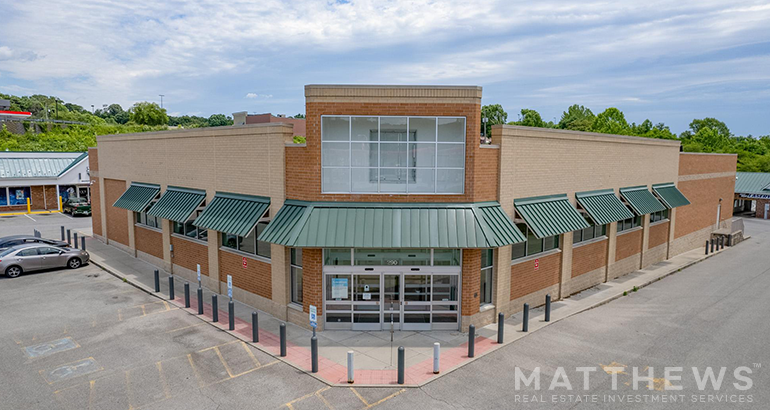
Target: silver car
[[31, 257]]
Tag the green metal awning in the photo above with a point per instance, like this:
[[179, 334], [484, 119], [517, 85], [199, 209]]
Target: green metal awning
[[641, 200], [603, 206], [670, 195], [391, 225], [550, 215], [177, 204], [233, 213], [137, 197]]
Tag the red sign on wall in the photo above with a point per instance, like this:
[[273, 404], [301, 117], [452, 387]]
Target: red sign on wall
[[537, 263], [244, 262]]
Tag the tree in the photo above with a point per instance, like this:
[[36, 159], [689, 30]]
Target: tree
[[147, 113], [577, 118], [218, 120], [301, 116], [611, 121], [495, 114], [713, 123], [531, 118]]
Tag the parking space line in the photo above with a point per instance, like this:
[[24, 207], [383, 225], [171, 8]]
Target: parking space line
[[325, 402], [360, 397], [224, 363], [242, 374], [120, 315], [144, 311], [33, 219], [163, 381], [246, 347], [386, 399], [185, 327], [217, 346], [128, 391], [91, 394], [195, 371], [289, 404]]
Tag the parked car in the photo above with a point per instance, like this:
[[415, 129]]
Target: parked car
[[31, 257], [9, 241], [77, 206]]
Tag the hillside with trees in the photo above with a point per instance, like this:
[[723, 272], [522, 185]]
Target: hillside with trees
[[703, 135], [110, 119]]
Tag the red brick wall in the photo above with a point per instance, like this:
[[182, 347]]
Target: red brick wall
[[658, 234], [589, 257], [628, 244], [760, 211], [256, 277], [51, 197], [303, 177], [704, 194], [96, 207], [36, 197], [525, 279], [188, 254], [93, 159], [117, 219], [471, 277], [312, 279], [149, 241]]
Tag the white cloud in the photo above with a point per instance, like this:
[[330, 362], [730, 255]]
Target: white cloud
[[260, 96]]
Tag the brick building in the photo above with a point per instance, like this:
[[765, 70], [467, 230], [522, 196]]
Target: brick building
[[752, 194], [392, 210], [244, 118], [41, 178]]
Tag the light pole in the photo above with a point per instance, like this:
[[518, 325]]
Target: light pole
[[92, 109], [161, 100]]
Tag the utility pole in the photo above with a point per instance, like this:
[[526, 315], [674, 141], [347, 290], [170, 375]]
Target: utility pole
[[161, 100], [57, 108]]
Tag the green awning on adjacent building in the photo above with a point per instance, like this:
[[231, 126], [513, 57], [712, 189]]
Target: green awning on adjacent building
[[670, 195], [549, 215], [391, 225], [603, 206], [137, 197], [641, 200], [177, 204], [233, 213]]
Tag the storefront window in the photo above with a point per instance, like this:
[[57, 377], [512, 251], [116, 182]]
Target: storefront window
[[659, 216], [446, 257], [392, 257], [296, 275], [249, 243], [337, 257], [487, 267], [533, 245], [393, 154], [629, 223], [593, 231], [18, 195], [3, 196]]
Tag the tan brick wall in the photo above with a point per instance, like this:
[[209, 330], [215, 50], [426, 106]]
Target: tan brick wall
[[585, 281], [117, 219], [658, 234], [471, 278], [628, 244], [93, 159], [525, 279], [96, 207], [312, 279], [255, 277], [188, 254], [654, 255], [589, 257], [149, 241], [625, 266]]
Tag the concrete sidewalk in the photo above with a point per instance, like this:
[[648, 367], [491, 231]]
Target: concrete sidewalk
[[375, 354]]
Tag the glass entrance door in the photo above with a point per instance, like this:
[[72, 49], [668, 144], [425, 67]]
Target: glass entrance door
[[416, 302], [366, 302], [391, 301]]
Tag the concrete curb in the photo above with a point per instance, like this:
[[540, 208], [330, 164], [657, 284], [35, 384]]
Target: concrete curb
[[604, 301]]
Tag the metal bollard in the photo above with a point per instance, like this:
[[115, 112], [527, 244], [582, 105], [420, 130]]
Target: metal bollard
[[350, 366], [200, 300], [401, 355], [83, 242], [282, 333], [231, 314], [471, 341], [525, 322], [721, 242], [157, 281], [314, 354], [707, 247], [186, 294], [436, 357], [214, 308], [75, 238], [712, 245], [62, 232], [548, 307], [255, 327], [500, 327], [171, 287], [69, 237]]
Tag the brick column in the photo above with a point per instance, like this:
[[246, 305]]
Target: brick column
[[645, 239], [312, 279], [566, 264], [612, 246], [471, 281]]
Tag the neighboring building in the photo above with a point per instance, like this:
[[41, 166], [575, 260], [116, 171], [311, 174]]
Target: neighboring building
[[393, 209], [752, 194], [42, 177], [5, 105], [243, 118]]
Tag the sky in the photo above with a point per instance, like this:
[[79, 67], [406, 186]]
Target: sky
[[669, 61]]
